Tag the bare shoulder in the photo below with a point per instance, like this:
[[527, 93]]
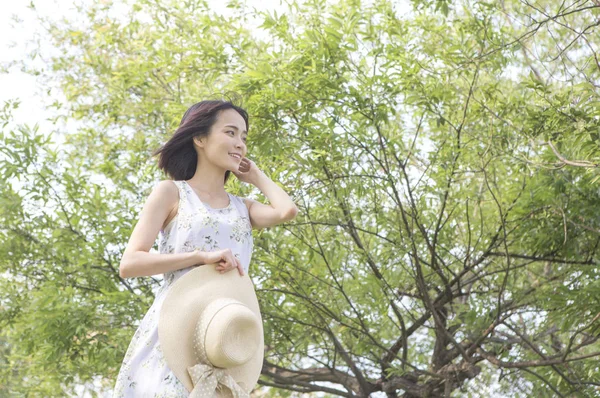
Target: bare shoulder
[[167, 189], [166, 193], [156, 213]]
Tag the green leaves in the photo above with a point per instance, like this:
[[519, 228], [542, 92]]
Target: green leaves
[[439, 168]]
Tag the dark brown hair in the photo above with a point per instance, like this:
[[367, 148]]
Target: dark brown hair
[[177, 157]]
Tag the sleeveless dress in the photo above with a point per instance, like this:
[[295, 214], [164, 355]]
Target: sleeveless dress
[[144, 372]]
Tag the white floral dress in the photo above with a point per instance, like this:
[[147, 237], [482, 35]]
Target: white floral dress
[[144, 372]]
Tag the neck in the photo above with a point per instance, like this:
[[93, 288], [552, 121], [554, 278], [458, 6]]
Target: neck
[[208, 178]]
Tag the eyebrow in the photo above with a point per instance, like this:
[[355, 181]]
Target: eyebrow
[[235, 127]]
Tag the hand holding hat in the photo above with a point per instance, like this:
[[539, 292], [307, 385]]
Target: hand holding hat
[[226, 260], [210, 331]]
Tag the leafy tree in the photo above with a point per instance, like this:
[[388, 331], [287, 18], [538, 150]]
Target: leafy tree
[[445, 162]]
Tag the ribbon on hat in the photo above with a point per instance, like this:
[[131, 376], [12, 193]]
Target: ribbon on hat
[[206, 378]]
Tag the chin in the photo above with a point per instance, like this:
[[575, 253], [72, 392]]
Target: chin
[[233, 168]]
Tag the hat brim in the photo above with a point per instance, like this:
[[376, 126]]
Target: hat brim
[[180, 312]]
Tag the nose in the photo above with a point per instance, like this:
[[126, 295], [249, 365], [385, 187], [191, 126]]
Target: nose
[[241, 144]]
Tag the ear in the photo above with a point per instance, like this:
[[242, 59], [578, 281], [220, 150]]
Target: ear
[[198, 141]]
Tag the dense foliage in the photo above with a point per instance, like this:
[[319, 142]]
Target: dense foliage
[[444, 156]]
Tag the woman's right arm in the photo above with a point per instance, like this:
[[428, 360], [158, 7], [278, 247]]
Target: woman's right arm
[[136, 260]]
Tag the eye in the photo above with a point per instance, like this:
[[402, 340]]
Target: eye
[[231, 132]]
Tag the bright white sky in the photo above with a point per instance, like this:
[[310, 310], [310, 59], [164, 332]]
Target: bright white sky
[[18, 26], [13, 36]]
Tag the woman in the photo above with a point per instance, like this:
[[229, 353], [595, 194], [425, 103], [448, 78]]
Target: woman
[[199, 223]]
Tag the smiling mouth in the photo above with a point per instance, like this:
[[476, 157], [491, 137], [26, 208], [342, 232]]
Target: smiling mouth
[[236, 156]]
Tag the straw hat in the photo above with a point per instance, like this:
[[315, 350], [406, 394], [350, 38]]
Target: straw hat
[[210, 331]]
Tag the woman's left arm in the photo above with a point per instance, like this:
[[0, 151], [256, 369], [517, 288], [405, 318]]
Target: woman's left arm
[[281, 208]]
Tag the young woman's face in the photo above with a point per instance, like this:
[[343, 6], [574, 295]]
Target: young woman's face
[[226, 139]]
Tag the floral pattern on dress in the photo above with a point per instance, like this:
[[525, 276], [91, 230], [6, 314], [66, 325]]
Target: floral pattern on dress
[[241, 229], [144, 371]]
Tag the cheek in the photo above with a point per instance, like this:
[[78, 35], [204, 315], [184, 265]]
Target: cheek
[[219, 154]]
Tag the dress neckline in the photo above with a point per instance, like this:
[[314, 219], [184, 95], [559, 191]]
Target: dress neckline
[[206, 204]]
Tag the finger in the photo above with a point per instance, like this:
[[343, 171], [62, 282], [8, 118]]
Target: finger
[[226, 267], [240, 267]]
